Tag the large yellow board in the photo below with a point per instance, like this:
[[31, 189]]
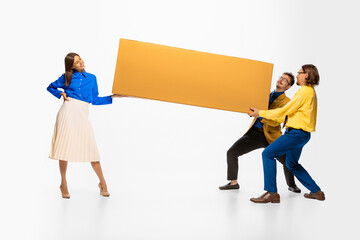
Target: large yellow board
[[184, 76]]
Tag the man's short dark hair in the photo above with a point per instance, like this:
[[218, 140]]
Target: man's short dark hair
[[291, 76]]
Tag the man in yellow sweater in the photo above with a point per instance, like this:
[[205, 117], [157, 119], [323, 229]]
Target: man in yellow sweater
[[300, 120]]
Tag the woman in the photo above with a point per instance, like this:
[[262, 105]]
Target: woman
[[73, 138], [300, 120]]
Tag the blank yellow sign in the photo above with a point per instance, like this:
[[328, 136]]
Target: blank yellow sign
[[184, 76]]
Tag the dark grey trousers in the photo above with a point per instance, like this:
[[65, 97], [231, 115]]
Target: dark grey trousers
[[252, 140]]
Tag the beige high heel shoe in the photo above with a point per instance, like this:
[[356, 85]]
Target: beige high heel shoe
[[102, 193], [64, 195]]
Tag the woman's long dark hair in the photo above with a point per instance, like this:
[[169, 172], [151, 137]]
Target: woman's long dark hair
[[69, 62]]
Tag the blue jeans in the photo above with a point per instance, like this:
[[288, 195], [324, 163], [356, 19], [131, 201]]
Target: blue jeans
[[291, 144]]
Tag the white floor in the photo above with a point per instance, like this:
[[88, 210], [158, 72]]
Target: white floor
[[163, 170], [159, 198]]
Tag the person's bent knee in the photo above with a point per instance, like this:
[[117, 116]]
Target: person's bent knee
[[267, 154], [232, 153], [291, 167]]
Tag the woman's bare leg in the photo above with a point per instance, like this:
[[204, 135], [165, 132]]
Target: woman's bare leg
[[97, 168], [63, 167]]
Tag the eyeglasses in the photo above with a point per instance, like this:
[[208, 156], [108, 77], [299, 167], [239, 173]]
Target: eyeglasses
[[301, 72], [283, 79]]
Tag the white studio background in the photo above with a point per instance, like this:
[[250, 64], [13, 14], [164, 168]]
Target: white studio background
[[164, 161]]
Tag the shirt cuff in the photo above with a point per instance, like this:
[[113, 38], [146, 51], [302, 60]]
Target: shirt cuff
[[262, 113], [107, 100]]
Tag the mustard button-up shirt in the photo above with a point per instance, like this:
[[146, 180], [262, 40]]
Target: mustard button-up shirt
[[301, 110]]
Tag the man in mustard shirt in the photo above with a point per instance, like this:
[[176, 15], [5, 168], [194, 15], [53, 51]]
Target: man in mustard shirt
[[300, 120], [261, 133]]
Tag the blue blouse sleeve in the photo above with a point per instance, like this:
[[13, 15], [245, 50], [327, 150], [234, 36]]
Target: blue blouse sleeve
[[53, 87], [96, 100]]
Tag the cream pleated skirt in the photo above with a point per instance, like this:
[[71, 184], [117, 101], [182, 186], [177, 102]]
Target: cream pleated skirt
[[73, 138]]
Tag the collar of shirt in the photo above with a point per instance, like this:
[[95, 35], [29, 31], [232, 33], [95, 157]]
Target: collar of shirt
[[76, 73], [274, 95]]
